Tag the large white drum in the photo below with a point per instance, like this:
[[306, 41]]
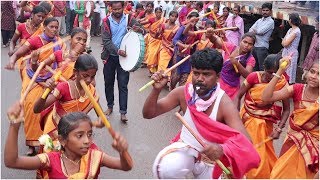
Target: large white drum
[[133, 44]]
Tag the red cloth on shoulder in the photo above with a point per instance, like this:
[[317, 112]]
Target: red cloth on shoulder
[[239, 153]]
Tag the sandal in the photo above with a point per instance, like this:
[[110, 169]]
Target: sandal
[[123, 118], [108, 111]]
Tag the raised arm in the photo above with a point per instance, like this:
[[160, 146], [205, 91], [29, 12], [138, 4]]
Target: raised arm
[[154, 107], [11, 157], [269, 95], [243, 89], [42, 104], [19, 53]]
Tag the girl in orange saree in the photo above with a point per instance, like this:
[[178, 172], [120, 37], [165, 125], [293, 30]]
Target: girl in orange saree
[[299, 156], [258, 117], [68, 96], [78, 157]]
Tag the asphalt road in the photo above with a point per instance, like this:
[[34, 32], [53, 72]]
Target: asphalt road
[[146, 137]]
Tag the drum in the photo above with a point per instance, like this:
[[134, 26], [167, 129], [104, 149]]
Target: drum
[[88, 8], [133, 44]]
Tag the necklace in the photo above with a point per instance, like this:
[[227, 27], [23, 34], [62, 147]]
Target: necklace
[[73, 162], [81, 98], [308, 97]]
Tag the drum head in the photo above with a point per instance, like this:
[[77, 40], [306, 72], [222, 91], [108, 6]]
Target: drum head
[[131, 44], [88, 9]]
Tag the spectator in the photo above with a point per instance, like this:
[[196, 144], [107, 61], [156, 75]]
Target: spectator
[[59, 12], [235, 20], [313, 53], [290, 45], [262, 28], [8, 23]]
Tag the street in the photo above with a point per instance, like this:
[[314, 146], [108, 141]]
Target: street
[[145, 137]]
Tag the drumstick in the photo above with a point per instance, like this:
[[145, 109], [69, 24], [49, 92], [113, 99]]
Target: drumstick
[[48, 46], [184, 50], [61, 78], [165, 72], [47, 91], [225, 47], [264, 141], [220, 29], [220, 164], [104, 118]]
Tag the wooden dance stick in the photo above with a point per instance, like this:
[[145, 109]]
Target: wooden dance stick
[[264, 141], [184, 50], [49, 46], [33, 79], [206, 14], [224, 168], [220, 29], [61, 78], [165, 72], [105, 121], [225, 47], [48, 90]]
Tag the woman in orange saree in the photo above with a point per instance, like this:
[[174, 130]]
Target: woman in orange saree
[[169, 29], [78, 157], [299, 156], [68, 96], [258, 117], [154, 40], [29, 29], [31, 120]]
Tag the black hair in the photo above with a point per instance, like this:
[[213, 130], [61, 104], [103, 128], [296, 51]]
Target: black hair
[[38, 9], [193, 14], [158, 8], [211, 23], [267, 5], [200, 4], [251, 35], [208, 10], [71, 121], [237, 7], [209, 59], [49, 20], [150, 3], [77, 30], [295, 19], [227, 8], [216, 5], [139, 5], [116, 2], [85, 62], [272, 61], [174, 12], [46, 5]]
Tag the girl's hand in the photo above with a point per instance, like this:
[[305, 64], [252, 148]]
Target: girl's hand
[[15, 111], [51, 84], [213, 151], [98, 123], [119, 143], [35, 55], [284, 63]]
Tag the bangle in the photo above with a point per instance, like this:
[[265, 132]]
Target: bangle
[[278, 129], [276, 75]]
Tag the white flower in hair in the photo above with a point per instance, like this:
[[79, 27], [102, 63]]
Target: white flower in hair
[[46, 141]]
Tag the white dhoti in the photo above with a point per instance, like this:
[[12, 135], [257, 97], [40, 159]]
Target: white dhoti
[[179, 160]]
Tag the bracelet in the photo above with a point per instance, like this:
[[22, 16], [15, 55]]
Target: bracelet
[[278, 129], [276, 75]]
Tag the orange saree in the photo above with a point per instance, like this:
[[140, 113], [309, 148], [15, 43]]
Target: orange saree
[[154, 44], [31, 120], [299, 157], [258, 119], [166, 48], [66, 103]]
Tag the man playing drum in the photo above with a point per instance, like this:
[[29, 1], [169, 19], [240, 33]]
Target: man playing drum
[[211, 115], [115, 28]]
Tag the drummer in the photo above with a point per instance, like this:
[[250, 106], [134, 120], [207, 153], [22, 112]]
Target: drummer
[[114, 29]]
